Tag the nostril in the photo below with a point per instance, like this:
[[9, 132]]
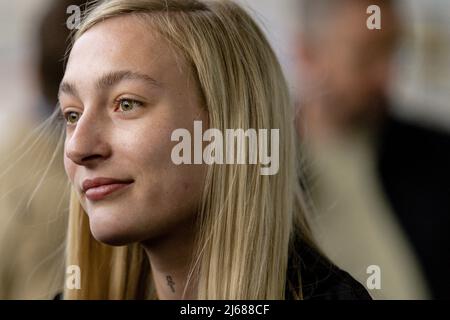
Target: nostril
[[92, 157]]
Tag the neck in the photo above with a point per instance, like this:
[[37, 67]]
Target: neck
[[170, 257]]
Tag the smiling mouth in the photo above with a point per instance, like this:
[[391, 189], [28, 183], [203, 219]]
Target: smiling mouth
[[101, 192]]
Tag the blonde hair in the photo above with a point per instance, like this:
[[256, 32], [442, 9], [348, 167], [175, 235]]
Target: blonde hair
[[246, 222]]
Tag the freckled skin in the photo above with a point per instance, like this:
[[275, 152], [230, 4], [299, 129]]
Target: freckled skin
[[106, 142]]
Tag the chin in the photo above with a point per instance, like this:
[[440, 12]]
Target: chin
[[111, 239], [110, 233]]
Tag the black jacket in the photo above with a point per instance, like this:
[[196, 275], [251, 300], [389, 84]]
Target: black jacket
[[321, 279]]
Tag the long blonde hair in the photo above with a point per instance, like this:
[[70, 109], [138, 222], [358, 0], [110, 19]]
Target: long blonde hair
[[246, 221]]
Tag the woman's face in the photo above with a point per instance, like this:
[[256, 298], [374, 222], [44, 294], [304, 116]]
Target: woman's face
[[123, 94]]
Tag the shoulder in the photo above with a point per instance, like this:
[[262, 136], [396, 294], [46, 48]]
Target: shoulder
[[335, 284], [322, 280]]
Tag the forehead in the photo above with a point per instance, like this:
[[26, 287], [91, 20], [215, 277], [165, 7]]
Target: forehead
[[120, 43]]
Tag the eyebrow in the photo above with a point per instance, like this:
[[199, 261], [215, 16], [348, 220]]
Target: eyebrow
[[109, 80]]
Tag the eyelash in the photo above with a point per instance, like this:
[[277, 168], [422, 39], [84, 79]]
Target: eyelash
[[63, 116]]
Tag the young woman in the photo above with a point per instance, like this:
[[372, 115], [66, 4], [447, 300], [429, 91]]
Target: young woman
[[142, 226]]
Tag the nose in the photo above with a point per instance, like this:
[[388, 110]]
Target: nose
[[88, 143]]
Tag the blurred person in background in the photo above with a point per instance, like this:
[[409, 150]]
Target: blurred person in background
[[380, 184], [32, 216]]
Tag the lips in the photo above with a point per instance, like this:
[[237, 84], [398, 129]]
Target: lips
[[99, 188]]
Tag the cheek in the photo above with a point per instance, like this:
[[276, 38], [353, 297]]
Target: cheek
[[148, 149], [69, 167], [172, 188]]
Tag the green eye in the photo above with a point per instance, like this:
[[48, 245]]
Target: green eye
[[128, 105], [72, 117]]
